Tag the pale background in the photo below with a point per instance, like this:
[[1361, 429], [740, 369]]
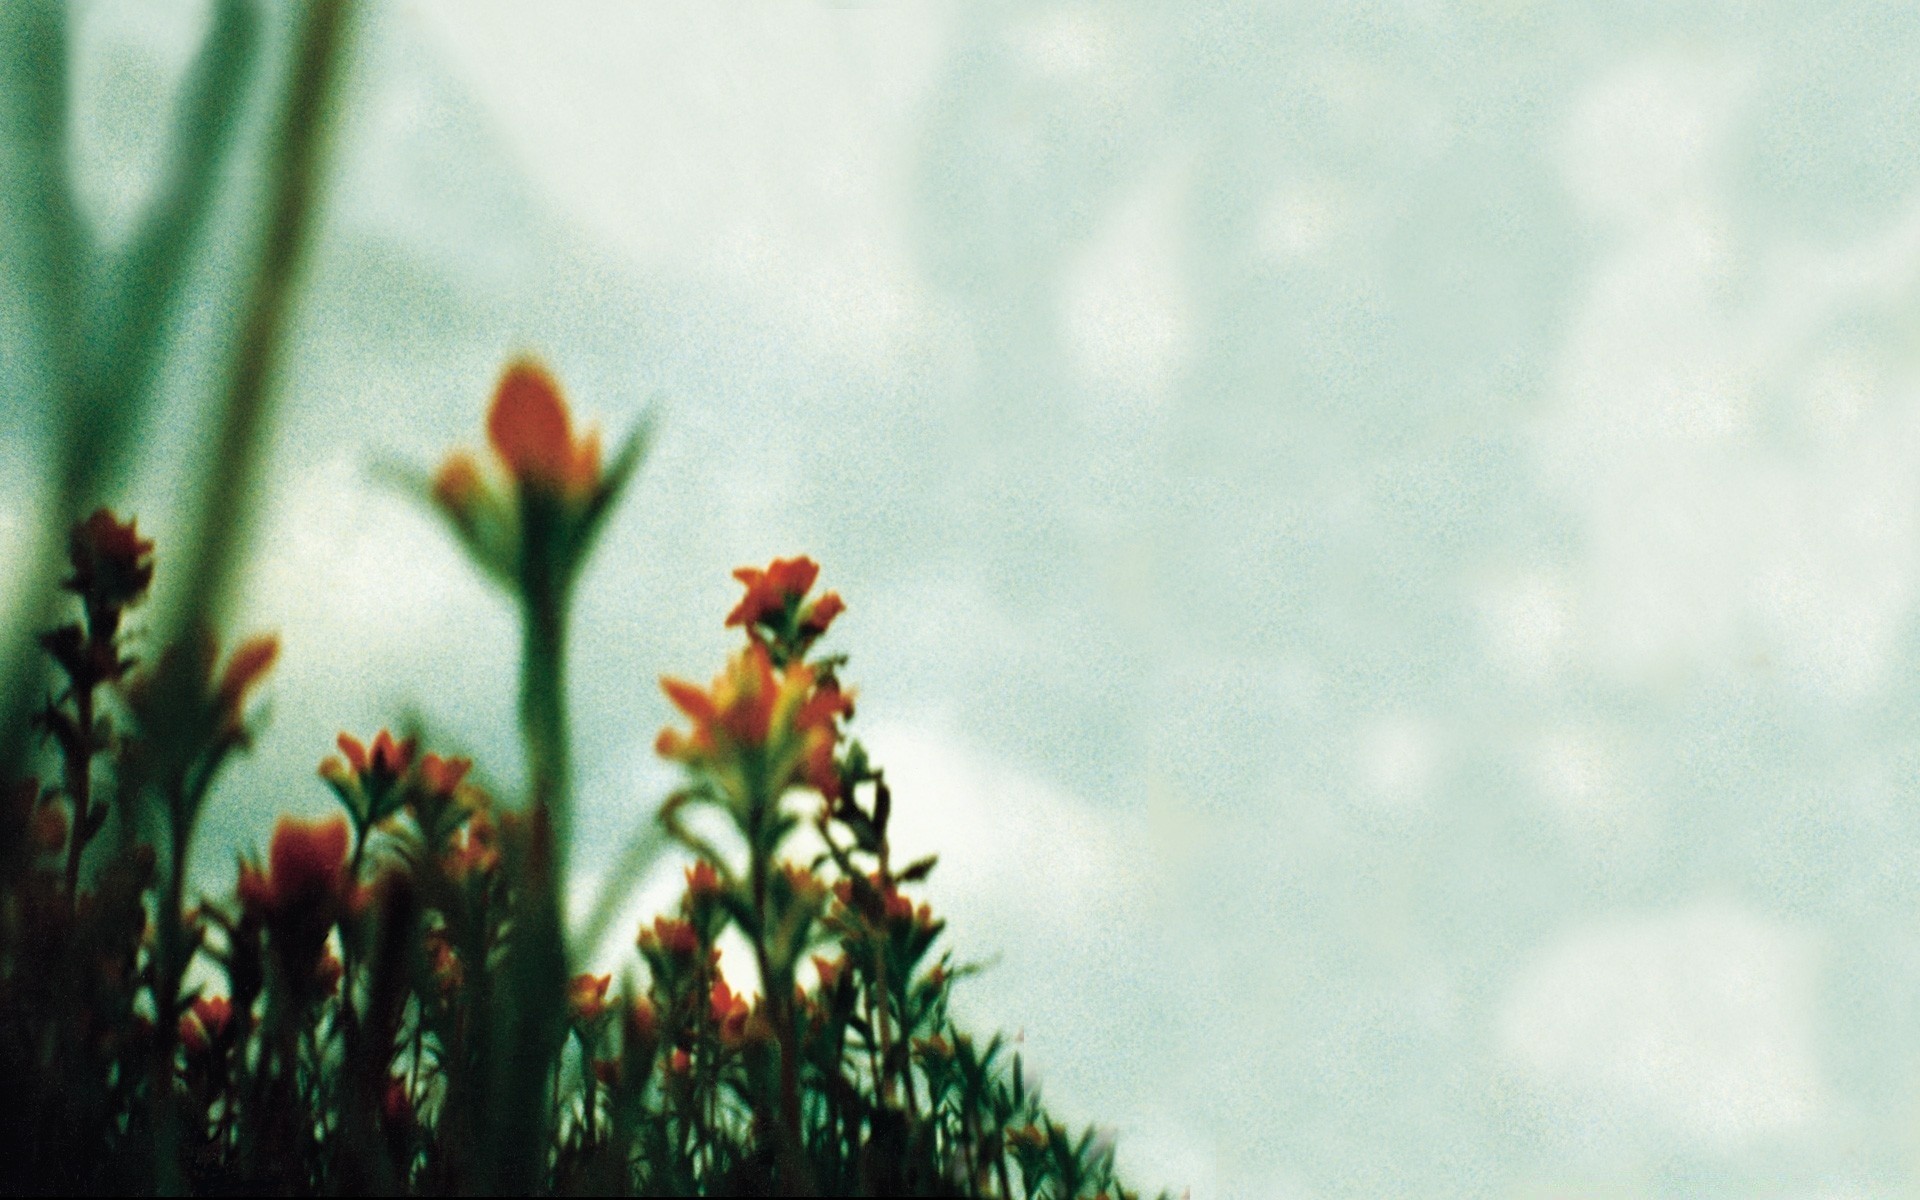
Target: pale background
[[1380, 538]]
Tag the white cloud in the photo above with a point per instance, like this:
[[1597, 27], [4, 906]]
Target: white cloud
[[1743, 475], [1700, 1017], [1125, 306]]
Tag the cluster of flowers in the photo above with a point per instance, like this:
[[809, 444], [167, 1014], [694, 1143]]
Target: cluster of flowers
[[353, 1017]]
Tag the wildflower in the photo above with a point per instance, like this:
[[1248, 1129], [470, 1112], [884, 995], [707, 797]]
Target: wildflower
[[205, 1023], [679, 1062], [545, 490], [358, 769], [327, 973], [770, 592], [112, 563], [643, 1022], [305, 889], [247, 667], [775, 608], [729, 1011], [803, 884], [473, 850], [532, 433], [441, 777], [702, 882], [1029, 1136], [457, 486], [830, 970], [674, 937], [306, 869], [587, 997], [783, 719]]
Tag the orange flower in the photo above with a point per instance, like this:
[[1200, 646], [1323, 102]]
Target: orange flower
[[396, 1107], [387, 762], [442, 962], [532, 433], [249, 663], [830, 971], [327, 973], [769, 592], [474, 850], [781, 716], [304, 891], [680, 1062], [306, 869], [442, 776], [587, 997], [776, 600], [457, 484], [728, 1010], [674, 937], [702, 882], [821, 615], [643, 1023]]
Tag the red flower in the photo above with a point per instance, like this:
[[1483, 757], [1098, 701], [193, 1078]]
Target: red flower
[[787, 715], [728, 1010], [304, 891], [306, 867], [679, 1062], [702, 882], [830, 971], [457, 484], [777, 596], [442, 776], [442, 962], [784, 582], [643, 1023], [387, 762], [249, 664], [474, 850], [821, 615], [532, 433], [112, 563], [587, 997], [675, 937], [205, 1023], [395, 1105]]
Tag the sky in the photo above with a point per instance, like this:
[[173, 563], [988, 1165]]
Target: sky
[[1379, 539]]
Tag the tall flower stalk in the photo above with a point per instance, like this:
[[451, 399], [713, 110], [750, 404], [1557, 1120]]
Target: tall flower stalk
[[530, 524]]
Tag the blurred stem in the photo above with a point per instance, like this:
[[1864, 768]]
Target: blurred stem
[[34, 43], [101, 357], [776, 978], [543, 708], [535, 1000], [297, 160]]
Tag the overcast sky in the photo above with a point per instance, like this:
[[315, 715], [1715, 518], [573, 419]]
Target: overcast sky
[[1379, 539]]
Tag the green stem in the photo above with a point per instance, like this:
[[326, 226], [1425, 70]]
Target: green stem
[[298, 159], [531, 1019]]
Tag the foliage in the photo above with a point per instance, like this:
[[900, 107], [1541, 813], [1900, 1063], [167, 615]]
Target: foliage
[[389, 1000], [385, 1003]]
